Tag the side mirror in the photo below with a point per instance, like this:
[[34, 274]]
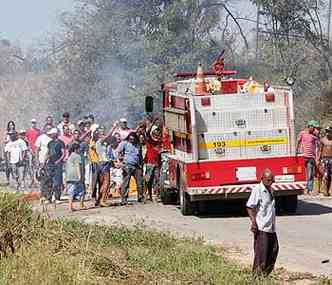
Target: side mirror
[[148, 104]]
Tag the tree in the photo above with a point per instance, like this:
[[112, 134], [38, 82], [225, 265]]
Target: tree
[[114, 52]]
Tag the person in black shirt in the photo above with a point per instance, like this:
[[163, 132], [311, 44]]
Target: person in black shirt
[[55, 156]]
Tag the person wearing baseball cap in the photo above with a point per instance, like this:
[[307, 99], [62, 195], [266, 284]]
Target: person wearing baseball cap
[[307, 145]]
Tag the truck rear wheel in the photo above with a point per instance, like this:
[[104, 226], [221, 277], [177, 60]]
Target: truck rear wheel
[[185, 204], [289, 204]]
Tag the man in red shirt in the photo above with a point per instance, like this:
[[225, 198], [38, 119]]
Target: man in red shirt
[[31, 135], [67, 139], [152, 160], [307, 144]]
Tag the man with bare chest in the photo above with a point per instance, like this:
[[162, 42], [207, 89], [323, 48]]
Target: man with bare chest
[[324, 160]]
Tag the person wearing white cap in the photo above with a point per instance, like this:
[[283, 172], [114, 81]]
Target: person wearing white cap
[[122, 129]]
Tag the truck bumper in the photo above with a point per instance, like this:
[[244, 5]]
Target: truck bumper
[[242, 191]]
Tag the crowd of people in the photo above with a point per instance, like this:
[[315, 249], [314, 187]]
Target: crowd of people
[[84, 160], [316, 146]]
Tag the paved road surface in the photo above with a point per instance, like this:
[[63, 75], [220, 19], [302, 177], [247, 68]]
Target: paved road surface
[[305, 238]]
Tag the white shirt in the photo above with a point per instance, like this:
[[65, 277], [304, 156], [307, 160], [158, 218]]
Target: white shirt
[[264, 203], [42, 142], [124, 133], [60, 127], [15, 150], [116, 176]]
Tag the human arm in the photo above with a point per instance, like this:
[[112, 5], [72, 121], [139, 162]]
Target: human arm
[[251, 205], [111, 131], [319, 152], [298, 143], [78, 170], [62, 154], [83, 136], [252, 215]]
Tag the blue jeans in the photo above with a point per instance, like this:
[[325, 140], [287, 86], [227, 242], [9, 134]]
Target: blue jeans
[[310, 168], [55, 171]]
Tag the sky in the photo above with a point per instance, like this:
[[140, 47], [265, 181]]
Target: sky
[[27, 21]]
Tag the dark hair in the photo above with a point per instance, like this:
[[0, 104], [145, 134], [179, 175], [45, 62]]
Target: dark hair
[[134, 135], [91, 116], [65, 115], [74, 147], [10, 122]]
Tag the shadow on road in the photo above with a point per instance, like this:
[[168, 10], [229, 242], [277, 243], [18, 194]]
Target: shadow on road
[[237, 209], [311, 208]]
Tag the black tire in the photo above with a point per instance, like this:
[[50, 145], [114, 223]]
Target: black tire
[[166, 196], [289, 204], [187, 207]]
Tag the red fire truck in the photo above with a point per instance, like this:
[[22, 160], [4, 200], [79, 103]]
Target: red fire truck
[[224, 133]]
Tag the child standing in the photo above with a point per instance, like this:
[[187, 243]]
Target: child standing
[[74, 177]]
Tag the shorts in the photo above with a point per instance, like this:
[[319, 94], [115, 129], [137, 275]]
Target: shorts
[[326, 165], [75, 190]]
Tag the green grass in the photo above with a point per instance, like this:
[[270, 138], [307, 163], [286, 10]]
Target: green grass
[[70, 252]]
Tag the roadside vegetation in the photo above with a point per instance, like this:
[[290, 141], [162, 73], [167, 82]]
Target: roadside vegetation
[[36, 250]]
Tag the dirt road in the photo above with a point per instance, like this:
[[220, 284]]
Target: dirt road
[[305, 238]]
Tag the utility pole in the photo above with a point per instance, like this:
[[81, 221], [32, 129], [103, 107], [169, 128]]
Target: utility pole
[[329, 23], [257, 30]]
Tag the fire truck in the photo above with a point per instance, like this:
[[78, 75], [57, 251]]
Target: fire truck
[[224, 132]]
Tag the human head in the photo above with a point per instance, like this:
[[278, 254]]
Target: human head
[[101, 131], [21, 134], [12, 135], [66, 117], [10, 126], [117, 163], [267, 177], [75, 147], [49, 120], [312, 125], [33, 123], [47, 128], [118, 137], [80, 125], [66, 130], [329, 132], [123, 123], [91, 118], [132, 138], [76, 134], [53, 133], [141, 128], [87, 126]]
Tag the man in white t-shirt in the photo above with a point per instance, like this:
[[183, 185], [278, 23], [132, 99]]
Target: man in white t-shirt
[[15, 151], [261, 210], [41, 144]]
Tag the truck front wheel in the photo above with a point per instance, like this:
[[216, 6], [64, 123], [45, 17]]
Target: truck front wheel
[[185, 204]]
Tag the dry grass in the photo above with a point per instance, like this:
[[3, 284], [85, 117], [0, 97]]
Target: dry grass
[[70, 252]]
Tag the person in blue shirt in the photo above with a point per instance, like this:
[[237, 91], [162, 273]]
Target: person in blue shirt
[[130, 151]]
